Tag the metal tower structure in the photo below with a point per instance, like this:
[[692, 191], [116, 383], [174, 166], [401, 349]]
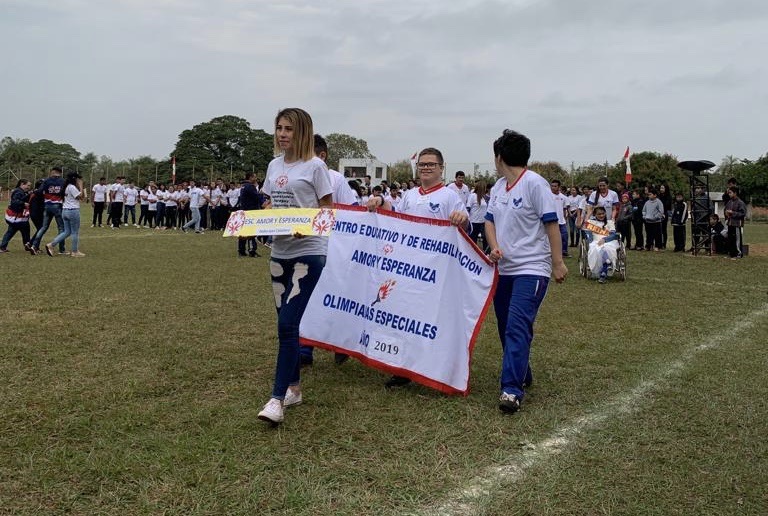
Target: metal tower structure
[[701, 205]]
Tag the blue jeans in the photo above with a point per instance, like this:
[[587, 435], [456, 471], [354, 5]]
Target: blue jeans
[[13, 228], [195, 221], [293, 281], [52, 211], [573, 231], [564, 237], [71, 228], [516, 303], [129, 209]]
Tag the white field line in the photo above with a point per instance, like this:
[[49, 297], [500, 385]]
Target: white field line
[[700, 282], [479, 491]]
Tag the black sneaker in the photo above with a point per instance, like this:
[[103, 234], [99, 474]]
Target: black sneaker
[[397, 381], [340, 358], [509, 403], [305, 360]]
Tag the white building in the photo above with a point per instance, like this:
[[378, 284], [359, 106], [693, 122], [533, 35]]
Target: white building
[[358, 168]]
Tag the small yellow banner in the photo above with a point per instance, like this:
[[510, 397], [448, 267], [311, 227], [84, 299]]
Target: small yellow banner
[[290, 221]]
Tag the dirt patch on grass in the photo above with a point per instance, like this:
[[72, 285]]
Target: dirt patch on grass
[[758, 249]]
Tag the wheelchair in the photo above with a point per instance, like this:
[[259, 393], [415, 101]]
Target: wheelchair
[[620, 267]]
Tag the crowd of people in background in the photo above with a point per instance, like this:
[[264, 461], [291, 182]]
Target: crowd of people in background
[[641, 216]]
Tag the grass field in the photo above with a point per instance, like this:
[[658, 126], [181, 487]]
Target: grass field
[[131, 380]]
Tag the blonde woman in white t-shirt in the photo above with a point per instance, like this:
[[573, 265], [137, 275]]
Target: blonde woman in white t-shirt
[[73, 193], [295, 179]]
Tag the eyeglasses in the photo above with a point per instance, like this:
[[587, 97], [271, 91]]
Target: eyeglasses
[[428, 165]]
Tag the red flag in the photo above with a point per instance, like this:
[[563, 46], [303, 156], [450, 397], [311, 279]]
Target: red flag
[[628, 174]]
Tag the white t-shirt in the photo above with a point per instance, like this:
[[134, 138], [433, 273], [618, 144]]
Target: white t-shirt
[[143, 197], [300, 184], [204, 197], [130, 196], [608, 201], [436, 203], [195, 194], [562, 205], [152, 198], [119, 192], [171, 198], [100, 192], [477, 210], [394, 201], [233, 196], [342, 193], [519, 214], [574, 201], [70, 198], [216, 195], [463, 191], [162, 195]]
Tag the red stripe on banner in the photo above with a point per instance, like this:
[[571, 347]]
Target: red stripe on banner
[[381, 366]]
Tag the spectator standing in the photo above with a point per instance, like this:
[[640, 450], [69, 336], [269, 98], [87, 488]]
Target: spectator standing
[[171, 206], [131, 196], [249, 199], [99, 200], [460, 187], [574, 200], [116, 198], [666, 199], [638, 202], [562, 210], [653, 216], [735, 213], [478, 207], [679, 220], [624, 220]]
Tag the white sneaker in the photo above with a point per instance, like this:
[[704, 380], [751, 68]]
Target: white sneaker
[[291, 399], [272, 411]]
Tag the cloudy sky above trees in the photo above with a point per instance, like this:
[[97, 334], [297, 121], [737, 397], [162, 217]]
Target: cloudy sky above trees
[[582, 79]]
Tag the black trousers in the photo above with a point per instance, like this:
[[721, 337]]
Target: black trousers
[[678, 233], [653, 234], [98, 211], [638, 227], [735, 249], [116, 213]]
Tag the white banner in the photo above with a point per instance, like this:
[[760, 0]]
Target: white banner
[[403, 294]]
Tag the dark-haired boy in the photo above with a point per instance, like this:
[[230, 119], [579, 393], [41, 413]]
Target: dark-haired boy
[[524, 237]]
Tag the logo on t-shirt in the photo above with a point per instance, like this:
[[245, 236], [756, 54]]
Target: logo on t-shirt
[[281, 181], [434, 207], [517, 203]]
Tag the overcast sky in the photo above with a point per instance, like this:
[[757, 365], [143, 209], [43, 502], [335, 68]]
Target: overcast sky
[[583, 79]]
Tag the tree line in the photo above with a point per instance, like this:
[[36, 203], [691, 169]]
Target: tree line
[[227, 147]]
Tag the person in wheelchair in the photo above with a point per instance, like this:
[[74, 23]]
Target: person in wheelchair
[[604, 243]]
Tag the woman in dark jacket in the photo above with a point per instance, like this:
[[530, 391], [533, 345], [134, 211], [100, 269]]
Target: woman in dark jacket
[[37, 206], [666, 199], [17, 214]]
